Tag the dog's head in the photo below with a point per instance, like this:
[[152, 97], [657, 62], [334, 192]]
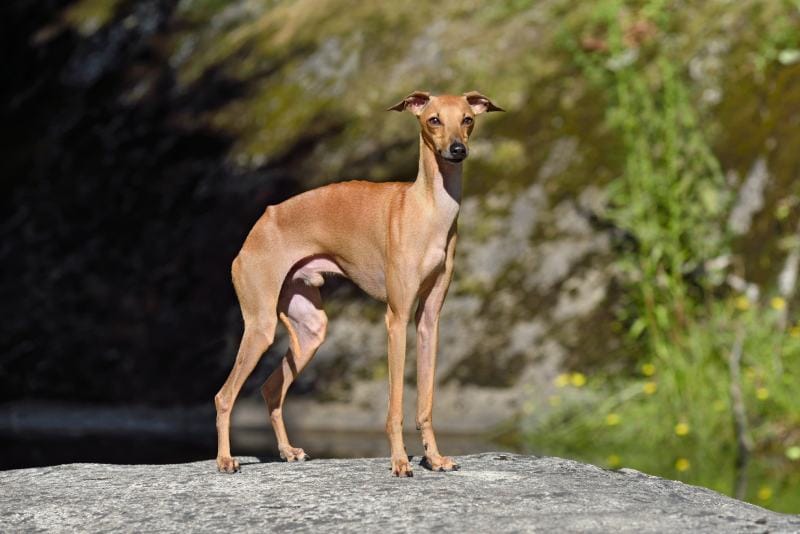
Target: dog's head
[[446, 121]]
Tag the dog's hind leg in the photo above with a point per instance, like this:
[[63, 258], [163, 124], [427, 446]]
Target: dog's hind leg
[[300, 309], [258, 293]]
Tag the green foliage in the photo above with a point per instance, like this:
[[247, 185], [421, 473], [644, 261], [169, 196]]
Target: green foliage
[[673, 417], [672, 200], [782, 41], [88, 16]]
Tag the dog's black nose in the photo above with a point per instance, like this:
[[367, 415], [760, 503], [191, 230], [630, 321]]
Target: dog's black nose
[[458, 150]]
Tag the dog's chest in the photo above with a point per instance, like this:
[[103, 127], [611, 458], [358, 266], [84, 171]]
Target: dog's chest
[[439, 224]]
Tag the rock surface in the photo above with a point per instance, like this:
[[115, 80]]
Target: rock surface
[[492, 492]]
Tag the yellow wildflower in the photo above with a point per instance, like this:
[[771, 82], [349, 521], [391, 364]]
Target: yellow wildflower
[[578, 380], [681, 429], [795, 331], [561, 380], [682, 464], [742, 303], [613, 461], [613, 419], [762, 394], [777, 303], [649, 388], [764, 493], [555, 401], [648, 369]]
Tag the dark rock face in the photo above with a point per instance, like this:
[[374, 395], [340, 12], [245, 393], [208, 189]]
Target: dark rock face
[[492, 493], [102, 196]]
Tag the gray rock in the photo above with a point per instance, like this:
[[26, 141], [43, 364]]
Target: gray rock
[[493, 492]]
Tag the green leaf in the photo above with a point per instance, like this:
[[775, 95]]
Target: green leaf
[[638, 326]]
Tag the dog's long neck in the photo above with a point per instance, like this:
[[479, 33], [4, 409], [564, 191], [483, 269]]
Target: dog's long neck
[[439, 181]]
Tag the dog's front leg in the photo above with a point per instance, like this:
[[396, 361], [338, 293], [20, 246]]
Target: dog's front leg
[[427, 319], [396, 324]]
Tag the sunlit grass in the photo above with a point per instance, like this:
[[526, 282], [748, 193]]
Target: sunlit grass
[[675, 413], [684, 429]]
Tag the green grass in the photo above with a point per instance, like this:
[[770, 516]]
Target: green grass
[[673, 414]]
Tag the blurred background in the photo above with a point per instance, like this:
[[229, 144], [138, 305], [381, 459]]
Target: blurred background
[[625, 291]]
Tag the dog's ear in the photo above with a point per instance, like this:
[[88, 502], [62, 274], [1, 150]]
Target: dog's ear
[[480, 104], [413, 102]]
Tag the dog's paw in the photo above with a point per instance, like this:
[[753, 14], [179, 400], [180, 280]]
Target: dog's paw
[[439, 463], [227, 464], [401, 467], [292, 454]]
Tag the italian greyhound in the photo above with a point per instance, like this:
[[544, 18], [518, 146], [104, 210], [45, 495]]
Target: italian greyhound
[[395, 240]]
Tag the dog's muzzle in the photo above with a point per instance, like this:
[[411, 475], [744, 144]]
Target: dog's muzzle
[[457, 152]]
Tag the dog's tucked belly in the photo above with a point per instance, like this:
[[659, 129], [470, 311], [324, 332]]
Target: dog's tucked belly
[[369, 278]]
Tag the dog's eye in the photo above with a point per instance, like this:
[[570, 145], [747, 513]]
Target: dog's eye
[[467, 121], [434, 121]]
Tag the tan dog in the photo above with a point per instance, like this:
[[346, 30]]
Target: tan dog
[[394, 240]]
